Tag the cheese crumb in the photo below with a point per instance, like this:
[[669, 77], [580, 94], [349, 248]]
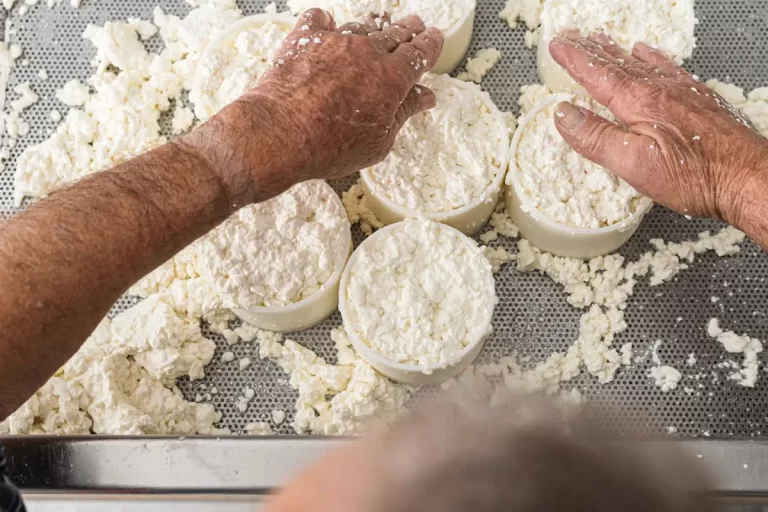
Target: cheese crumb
[[479, 66]]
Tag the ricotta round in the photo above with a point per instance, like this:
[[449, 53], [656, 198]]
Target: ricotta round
[[559, 183], [664, 24], [419, 293], [448, 157], [231, 67], [443, 15], [278, 252]]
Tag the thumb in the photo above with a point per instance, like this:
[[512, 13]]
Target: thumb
[[624, 153], [418, 99]]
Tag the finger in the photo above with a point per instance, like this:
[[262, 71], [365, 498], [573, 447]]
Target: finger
[[605, 143], [655, 57], [402, 32], [659, 59], [420, 55], [418, 100], [313, 20], [595, 70], [610, 47]]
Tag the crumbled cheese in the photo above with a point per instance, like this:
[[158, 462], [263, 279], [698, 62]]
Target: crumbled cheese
[[604, 284], [419, 293], [479, 65], [527, 11], [664, 24], [278, 252], [358, 211], [626, 354], [443, 15], [278, 417], [489, 236], [503, 225], [121, 382], [446, 158], [243, 402], [228, 357], [691, 361], [244, 363], [754, 105], [258, 429], [73, 94], [734, 344], [182, 120], [55, 116], [564, 186], [231, 69], [666, 377], [497, 257]]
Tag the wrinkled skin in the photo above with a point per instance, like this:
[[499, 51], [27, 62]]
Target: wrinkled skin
[[355, 86], [678, 142]]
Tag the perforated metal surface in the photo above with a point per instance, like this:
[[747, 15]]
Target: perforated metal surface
[[533, 317]]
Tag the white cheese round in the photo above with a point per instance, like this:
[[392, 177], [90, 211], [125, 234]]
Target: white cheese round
[[236, 62], [278, 252], [446, 158], [564, 186], [664, 24], [418, 293], [441, 14]]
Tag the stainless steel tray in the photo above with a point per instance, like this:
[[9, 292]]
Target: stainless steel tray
[[533, 317]]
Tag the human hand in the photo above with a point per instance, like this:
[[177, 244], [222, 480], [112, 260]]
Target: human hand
[[332, 104], [676, 141]]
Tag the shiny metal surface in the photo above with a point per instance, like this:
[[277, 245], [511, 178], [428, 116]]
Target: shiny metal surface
[[239, 465]]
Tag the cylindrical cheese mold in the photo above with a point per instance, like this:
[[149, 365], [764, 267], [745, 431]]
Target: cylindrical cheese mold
[[468, 219], [483, 286], [205, 104], [313, 309], [673, 31], [457, 41], [555, 237]]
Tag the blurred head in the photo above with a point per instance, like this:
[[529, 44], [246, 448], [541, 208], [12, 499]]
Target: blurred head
[[522, 458]]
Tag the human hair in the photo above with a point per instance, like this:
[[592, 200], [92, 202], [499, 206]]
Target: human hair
[[528, 457]]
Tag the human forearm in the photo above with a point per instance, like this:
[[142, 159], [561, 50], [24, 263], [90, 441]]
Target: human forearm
[[68, 258], [330, 108]]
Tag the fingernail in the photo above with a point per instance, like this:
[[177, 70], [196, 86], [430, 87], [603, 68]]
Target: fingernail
[[427, 101], [569, 116]]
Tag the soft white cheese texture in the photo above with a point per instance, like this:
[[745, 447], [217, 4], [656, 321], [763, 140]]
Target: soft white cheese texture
[[479, 65], [230, 69], [734, 344], [664, 24], [120, 119], [278, 252], [445, 158], [122, 380], [443, 14], [419, 293], [561, 184]]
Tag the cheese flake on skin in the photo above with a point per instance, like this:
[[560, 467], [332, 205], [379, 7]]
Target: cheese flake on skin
[[445, 158], [420, 294], [121, 382], [663, 24], [564, 186]]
